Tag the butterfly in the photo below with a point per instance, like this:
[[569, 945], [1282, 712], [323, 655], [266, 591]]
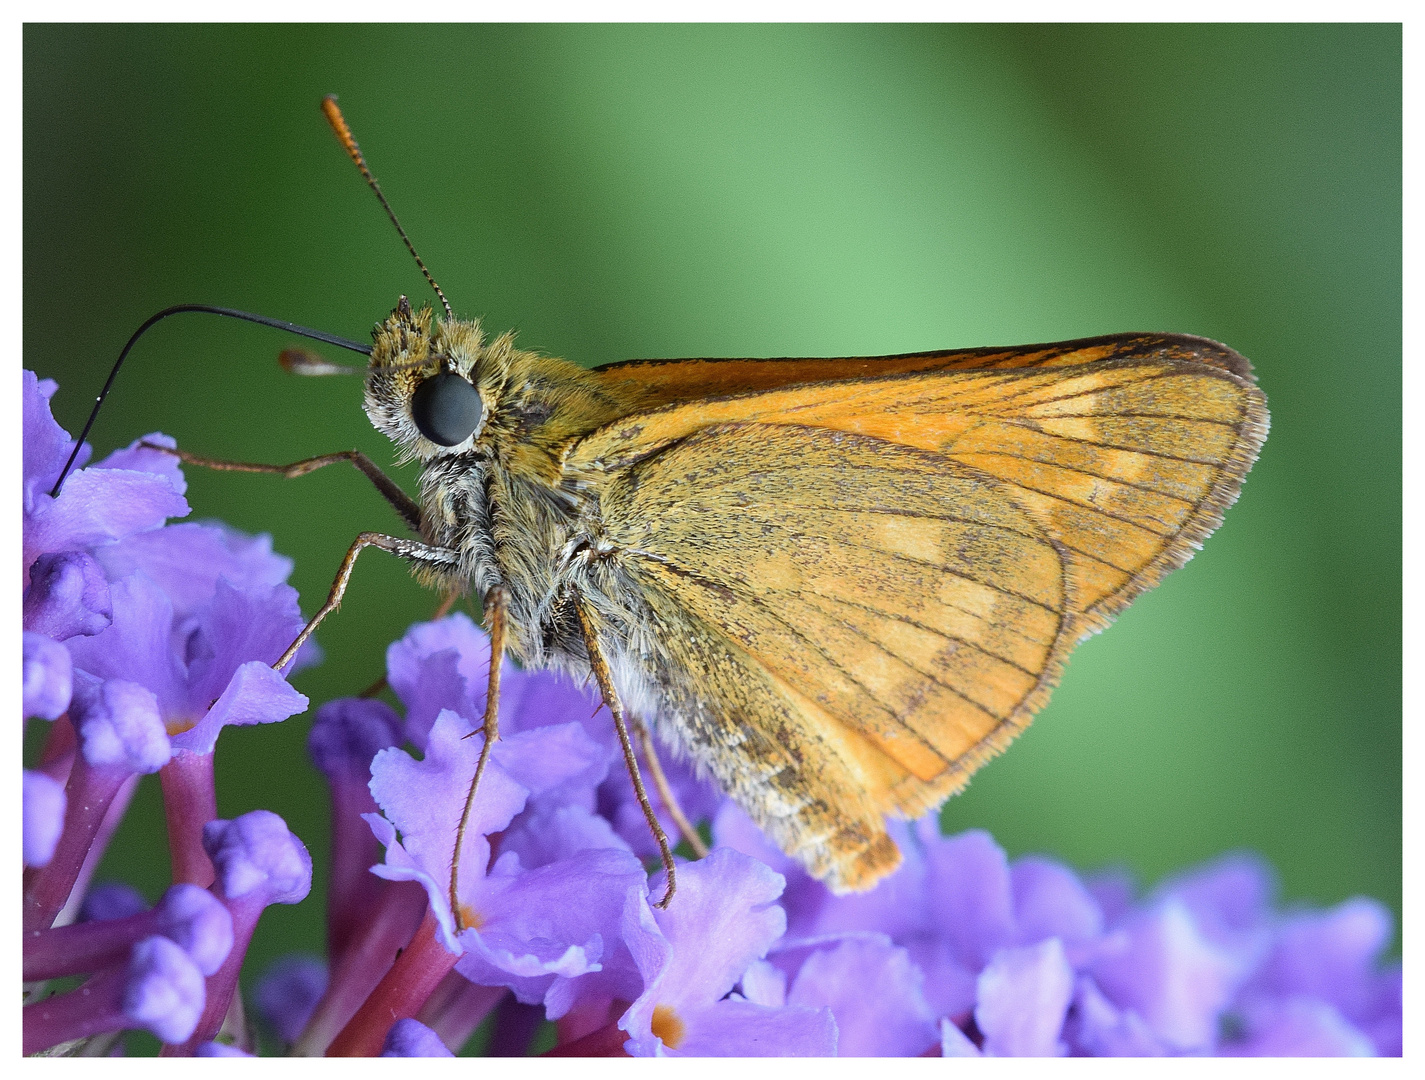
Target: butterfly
[[838, 586]]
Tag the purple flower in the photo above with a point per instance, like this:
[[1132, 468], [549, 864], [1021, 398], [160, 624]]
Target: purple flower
[[527, 927], [1022, 997], [43, 817], [165, 990], [1163, 967], [211, 669], [133, 490], [1100, 1028], [347, 734], [1329, 959], [48, 677], [190, 917], [187, 560], [442, 665], [289, 991], [345, 737], [118, 725], [411, 1038], [1300, 1027], [723, 919], [1028, 959], [217, 1049], [256, 856], [120, 737], [68, 594], [258, 862]]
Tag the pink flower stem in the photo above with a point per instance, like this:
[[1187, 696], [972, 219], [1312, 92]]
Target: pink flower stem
[[353, 891], [190, 801], [57, 754], [82, 947], [113, 817], [607, 1041], [399, 995], [587, 1016], [88, 793], [91, 1009], [366, 958], [245, 910], [457, 1008]]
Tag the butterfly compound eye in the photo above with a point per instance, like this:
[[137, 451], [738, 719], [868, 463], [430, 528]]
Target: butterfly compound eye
[[446, 409]]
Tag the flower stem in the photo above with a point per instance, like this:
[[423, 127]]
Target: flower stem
[[607, 1041], [354, 893], [113, 817], [398, 996], [457, 1008], [363, 962], [245, 910], [190, 801], [87, 1010], [89, 793]]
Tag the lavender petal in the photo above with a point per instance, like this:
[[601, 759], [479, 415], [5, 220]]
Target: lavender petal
[[1024, 994]]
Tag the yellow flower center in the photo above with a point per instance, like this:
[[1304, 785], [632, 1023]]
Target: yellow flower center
[[668, 1027], [178, 727], [469, 918]]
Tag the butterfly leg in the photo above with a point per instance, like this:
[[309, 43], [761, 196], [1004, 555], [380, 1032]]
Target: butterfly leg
[[495, 616], [665, 791], [403, 504], [436, 558], [598, 663]]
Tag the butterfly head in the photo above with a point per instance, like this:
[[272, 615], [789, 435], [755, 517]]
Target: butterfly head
[[422, 386]]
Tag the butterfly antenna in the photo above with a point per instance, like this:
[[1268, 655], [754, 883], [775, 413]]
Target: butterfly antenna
[[206, 309], [348, 141]]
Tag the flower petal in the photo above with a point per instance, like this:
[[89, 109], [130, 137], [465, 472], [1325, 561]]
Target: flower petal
[[48, 676], [1302, 1027], [557, 922], [874, 992], [257, 694], [741, 1029], [187, 560], [1163, 968], [1024, 994], [1050, 901]]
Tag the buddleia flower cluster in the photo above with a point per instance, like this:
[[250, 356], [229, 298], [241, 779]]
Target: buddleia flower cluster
[[144, 638]]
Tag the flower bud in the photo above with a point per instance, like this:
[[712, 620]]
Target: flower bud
[[48, 677], [43, 819], [68, 596], [112, 900], [119, 726], [165, 991], [257, 852], [411, 1038]]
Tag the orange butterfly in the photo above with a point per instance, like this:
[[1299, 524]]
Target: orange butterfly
[[839, 586]]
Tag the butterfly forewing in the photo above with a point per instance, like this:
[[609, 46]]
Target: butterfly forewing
[[894, 564]]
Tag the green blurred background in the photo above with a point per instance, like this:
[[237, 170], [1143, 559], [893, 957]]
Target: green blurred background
[[648, 191]]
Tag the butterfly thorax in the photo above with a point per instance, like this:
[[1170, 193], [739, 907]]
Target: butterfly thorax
[[502, 497]]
